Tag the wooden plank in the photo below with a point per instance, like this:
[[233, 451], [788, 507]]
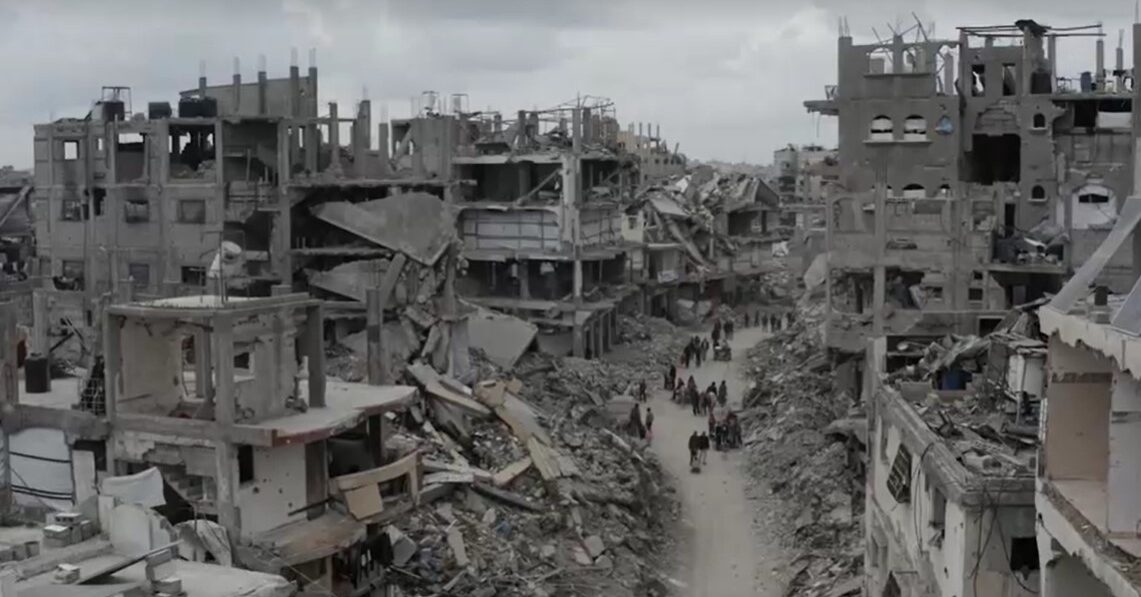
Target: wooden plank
[[509, 473], [388, 472]]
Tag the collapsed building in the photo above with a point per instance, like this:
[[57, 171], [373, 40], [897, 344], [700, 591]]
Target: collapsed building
[[974, 178]]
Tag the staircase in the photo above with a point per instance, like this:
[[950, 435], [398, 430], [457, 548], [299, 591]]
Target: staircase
[[200, 492]]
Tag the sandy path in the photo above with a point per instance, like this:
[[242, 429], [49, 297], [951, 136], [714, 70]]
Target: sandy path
[[721, 554]]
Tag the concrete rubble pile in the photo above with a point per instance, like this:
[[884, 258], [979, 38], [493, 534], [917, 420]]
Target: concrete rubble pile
[[545, 499], [799, 433]]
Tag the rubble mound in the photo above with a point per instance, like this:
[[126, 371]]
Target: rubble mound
[[797, 439], [568, 505]]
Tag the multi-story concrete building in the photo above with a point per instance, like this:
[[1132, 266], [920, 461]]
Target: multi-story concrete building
[[973, 177], [225, 403], [803, 173]]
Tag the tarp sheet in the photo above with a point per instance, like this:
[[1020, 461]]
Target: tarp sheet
[[143, 488]]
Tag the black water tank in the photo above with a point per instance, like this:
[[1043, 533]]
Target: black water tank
[[188, 107], [114, 110], [37, 378], [157, 110], [209, 107]]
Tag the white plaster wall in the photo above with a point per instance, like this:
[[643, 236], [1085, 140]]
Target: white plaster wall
[[152, 361], [277, 489], [952, 563], [1124, 475]]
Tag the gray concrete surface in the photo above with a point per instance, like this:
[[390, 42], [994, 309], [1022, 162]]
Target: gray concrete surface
[[722, 552]]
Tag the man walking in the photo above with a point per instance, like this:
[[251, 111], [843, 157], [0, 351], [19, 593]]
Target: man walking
[[694, 449], [722, 393], [649, 424]]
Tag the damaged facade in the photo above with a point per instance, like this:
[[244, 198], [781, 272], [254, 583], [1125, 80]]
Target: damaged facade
[[975, 178]]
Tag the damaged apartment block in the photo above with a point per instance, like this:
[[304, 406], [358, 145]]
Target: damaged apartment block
[[217, 413], [974, 176]]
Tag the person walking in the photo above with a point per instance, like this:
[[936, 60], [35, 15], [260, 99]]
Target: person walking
[[649, 424], [704, 446], [671, 376], [686, 353], [694, 450], [642, 391], [728, 330], [716, 333], [705, 347], [722, 393], [635, 423]]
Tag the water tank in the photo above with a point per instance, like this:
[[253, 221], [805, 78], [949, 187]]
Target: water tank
[[37, 378], [195, 107], [1087, 82], [156, 110], [114, 110]]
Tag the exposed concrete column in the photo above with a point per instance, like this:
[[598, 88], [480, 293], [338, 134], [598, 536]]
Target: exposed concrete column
[[879, 283], [587, 128], [362, 141], [949, 73], [237, 85], [1100, 65], [295, 108], [262, 84], [1052, 48], [203, 377], [374, 319], [578, 339], [1123, 485], [9, 390], [1136, 146], [40, 323], [225, 456], [315, 350], [598, 350], [524, 271]]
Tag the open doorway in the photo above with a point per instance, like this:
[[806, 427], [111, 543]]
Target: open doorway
[[995, 159]]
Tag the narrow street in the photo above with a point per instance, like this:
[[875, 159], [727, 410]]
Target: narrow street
[[721, 553]]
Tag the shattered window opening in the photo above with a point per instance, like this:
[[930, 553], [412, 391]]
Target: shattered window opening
[[140, 274], [71, 150], [192, 211], [881, 129], [71, 210], [1038, 193], [136, 211], [1039, 121], [899, 479]]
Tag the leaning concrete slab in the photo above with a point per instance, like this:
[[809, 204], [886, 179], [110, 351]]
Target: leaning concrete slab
[[503, 338], [416, 224]]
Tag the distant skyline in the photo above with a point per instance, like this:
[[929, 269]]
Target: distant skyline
[[726, 79]]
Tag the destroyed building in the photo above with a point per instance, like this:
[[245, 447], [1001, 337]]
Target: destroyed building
[[656, 161], [1087, 495], [803, 174], [706, 238], [950, 465], [216, 413], [974, 177]]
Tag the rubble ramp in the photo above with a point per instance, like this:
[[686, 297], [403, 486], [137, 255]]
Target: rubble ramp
[[417, 224]]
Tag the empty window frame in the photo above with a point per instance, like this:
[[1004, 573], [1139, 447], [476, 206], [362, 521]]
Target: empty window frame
[[71, 150], [140, 274], [978, 80], [1093, 197], [192, 211], [899, 479], [245, 464], [1038, 121], [914, 191], [194, 275], [136, 211], [1038, 193], [1009, 79], [881, 129], [938, 508], [915, 128], [975, 295], [71, 269], [71, 210]]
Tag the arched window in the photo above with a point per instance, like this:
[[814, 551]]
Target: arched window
[[1039, 121], [1038, 193], [881, 129], [914, 191], [944, 190], [1091, 206], [915, 128]]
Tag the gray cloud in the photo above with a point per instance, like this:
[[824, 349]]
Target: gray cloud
[[724, 78]]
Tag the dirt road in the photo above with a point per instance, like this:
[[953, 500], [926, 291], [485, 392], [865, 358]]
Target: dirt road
[[722, 554]]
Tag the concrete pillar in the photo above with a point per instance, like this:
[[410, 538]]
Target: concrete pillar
[[315, 350], [879, 287], [9, 391], [225, 456], [237, 85], [576, 131], [203, 375], [262, 85], [1099, 76], [374, 319], [587, 126], [949, 73], [1136, 145], [1123, 483], [40, 323], [578, 340], [362, 139], [524, 270]]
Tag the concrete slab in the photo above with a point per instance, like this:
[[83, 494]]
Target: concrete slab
[[416, 224], [503, 338]]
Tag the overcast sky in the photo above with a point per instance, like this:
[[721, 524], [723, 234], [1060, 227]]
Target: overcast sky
[[724, 78]]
